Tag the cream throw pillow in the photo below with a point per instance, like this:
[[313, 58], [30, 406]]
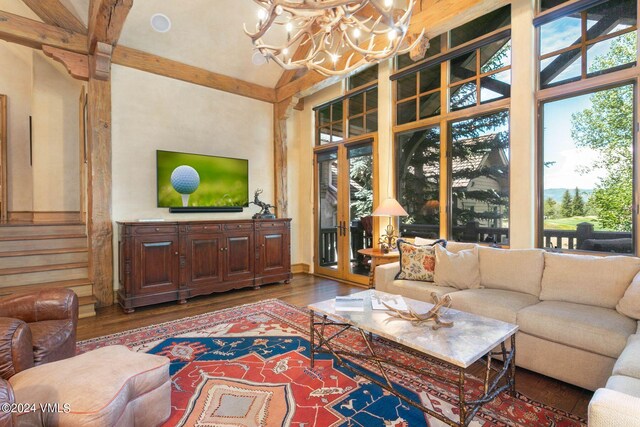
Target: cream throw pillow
[[459, 270], [629, 305]]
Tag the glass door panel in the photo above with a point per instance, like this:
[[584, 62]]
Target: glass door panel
[[327, 218], [360, 160]]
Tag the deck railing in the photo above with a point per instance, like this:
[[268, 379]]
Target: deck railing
[[583, 238]]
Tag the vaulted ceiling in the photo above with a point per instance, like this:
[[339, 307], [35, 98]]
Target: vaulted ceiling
[[204, 33]]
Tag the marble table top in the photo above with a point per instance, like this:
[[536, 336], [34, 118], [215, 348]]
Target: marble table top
[[470, 338]]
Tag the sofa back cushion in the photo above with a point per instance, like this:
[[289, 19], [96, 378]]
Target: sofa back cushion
[[587, 279], [518, 270], [459, 270], [454, 247], [629, 305]]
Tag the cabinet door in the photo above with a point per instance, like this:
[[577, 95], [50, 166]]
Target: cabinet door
[[156, 264], [202, 259], [239, 256], [273, 255]]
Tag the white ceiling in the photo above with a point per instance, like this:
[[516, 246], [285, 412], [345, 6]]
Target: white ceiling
[[204, 33]]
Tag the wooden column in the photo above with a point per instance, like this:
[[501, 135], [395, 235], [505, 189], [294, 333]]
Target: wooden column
[[99, 226], [281, 112]]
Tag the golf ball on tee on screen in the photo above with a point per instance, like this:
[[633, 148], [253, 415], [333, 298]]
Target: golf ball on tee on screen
[[185, 179]]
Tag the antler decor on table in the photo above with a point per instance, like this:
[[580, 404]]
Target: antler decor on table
[[432, 315]]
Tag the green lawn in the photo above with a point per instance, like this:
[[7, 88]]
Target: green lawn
[[570, 223]]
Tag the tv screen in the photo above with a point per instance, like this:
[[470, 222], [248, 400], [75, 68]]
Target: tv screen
[[196, 180]]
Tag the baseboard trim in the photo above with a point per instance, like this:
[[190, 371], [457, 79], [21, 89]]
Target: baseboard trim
[[300, 268]]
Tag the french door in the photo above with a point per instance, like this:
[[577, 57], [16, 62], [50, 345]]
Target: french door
[[344, 199]]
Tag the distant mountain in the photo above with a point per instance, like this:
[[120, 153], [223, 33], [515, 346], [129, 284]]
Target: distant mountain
[[557, 193]]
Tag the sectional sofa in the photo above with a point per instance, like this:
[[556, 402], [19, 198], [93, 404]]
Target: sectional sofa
[[578, 314]]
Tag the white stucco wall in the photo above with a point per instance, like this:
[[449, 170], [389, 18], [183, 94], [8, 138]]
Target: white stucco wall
[[151, 112]]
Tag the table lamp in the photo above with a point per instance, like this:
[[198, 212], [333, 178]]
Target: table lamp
[[391, 208]]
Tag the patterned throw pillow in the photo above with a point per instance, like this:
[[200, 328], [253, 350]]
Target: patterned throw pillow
[[417, 262]]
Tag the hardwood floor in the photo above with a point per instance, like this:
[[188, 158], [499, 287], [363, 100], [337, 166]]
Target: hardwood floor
[[305, 289]]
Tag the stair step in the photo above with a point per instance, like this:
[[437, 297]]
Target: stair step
[[21, 230], [75, 283], [30, 278], [40, 268], [41, 252], [75, 241], [42, 237], [86, 306], [43, 259]]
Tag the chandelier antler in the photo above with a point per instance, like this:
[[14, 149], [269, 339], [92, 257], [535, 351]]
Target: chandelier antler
[[365, 30]]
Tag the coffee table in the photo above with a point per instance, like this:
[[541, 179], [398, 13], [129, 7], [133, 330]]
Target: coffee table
[[471, 338]]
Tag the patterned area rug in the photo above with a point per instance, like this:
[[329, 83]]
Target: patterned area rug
[[249, 366]]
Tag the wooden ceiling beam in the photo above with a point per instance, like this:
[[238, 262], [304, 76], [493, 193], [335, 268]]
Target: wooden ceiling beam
[[53, 12], [436, 17], [106, 20], [77, 64], [34, 34], [151, 63]]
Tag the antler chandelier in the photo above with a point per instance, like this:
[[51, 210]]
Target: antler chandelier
[[338, 36]]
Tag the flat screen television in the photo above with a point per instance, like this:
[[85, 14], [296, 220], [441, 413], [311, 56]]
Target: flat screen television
[[196, 182]]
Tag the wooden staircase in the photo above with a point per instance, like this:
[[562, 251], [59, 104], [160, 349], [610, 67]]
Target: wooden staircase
[[37, 256]]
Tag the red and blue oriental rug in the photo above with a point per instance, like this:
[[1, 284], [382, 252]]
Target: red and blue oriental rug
[[249, 366]]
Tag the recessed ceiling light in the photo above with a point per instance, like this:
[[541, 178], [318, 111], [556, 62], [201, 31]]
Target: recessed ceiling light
[[160, 22]]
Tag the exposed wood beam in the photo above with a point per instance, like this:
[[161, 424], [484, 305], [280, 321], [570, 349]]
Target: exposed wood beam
[[106, 20], [436, 17], [281, 112], [76, 64], [99, 225], [27, 32], [166, 67], [53, 12]]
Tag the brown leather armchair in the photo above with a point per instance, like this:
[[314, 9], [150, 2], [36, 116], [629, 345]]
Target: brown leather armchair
[[36, 328]]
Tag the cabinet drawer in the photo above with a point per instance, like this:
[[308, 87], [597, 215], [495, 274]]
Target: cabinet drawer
[[142, 230], [270, 225], [241, 226], [204, 228]]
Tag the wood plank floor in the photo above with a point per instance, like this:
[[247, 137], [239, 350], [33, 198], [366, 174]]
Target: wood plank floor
[[305, 289]]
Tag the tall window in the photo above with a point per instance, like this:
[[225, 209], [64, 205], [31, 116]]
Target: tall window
[[470, 71], [588, 134], [480, 178], [418, 168]]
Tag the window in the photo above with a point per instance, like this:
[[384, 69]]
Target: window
[[481, 26], [330, 123], [480, 76], [480, 178], [587, 172], [471, 152], [418, 178], [599, 39], [363, 112], [363, 78], [435, 47], [418, 95], [477, 64]]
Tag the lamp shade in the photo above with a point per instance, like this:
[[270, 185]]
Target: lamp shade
[[390, 207]]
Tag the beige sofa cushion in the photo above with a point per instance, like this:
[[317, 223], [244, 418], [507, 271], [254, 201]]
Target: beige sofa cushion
[[459, 270], [516, 270], [610, 408], [454, 247], [494, 303], [587, 279], [414, 289], [596, 329], [624, 384], [629, 305], [629, 361]]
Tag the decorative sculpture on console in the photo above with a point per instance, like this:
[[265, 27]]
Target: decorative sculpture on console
[[265, 213]]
